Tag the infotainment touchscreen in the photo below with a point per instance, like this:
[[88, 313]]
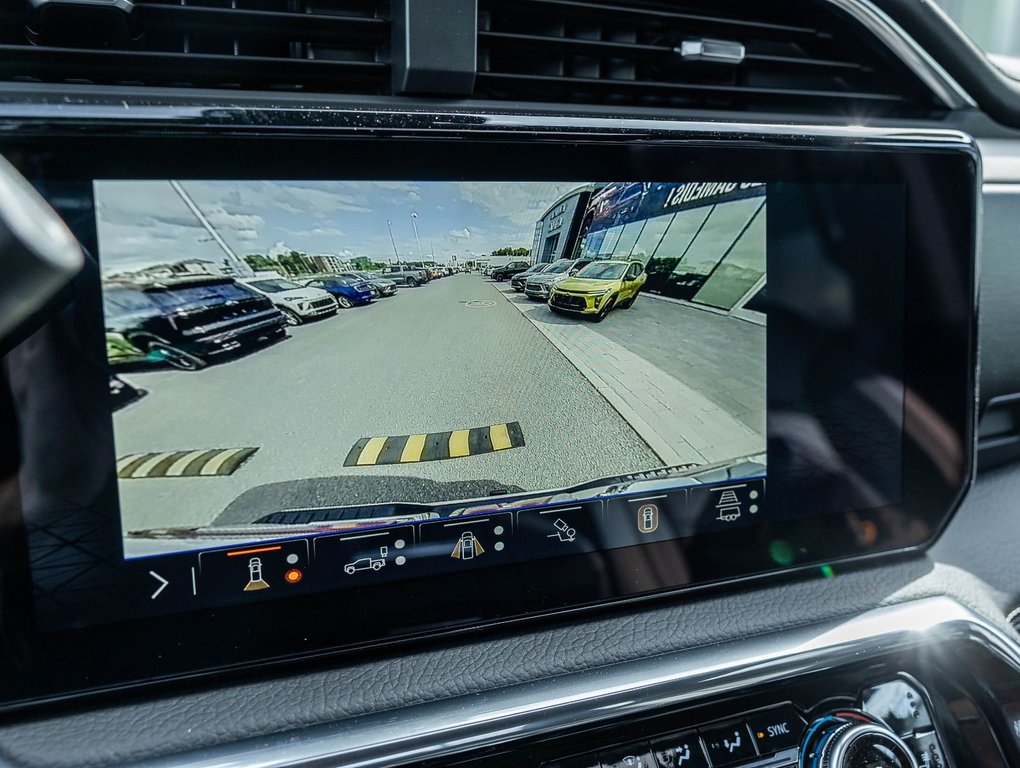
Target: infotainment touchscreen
[[477, 370], [288, 409]]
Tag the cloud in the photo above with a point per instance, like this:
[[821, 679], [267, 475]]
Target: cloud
[[326, 198], [223, 219], [146, 222], [316, 232], [520, 204], [397, 186]]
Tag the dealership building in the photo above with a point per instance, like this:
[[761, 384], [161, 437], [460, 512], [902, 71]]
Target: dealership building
[[701, 242], [556, 232]]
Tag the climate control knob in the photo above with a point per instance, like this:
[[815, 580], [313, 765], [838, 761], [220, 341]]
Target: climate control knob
[[853, 739]]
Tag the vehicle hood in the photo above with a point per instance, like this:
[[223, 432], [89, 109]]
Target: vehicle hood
[[325, 519], [300, 294], [586, 284], [382, 282]]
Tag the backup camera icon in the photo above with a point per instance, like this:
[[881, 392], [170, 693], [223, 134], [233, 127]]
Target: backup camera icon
[[255, 580]]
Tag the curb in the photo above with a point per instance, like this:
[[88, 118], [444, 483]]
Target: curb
[[642, 428]]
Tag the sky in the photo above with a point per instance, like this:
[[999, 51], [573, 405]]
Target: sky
[[146, 222]]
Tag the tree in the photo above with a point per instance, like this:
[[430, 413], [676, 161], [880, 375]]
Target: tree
[[295, 264], [261, 263], [508, 251], [365, 263]]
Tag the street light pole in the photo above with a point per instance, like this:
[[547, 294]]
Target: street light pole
[[240, 265], [389, 226], [414, 224]]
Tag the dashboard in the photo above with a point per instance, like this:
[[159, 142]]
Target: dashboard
[[561, 384]]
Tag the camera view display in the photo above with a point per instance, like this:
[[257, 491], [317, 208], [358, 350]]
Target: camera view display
[[295, 358]]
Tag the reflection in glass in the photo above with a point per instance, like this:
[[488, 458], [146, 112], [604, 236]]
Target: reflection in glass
[[627, 239], [650, 237], [714, 239], [609, 242], [740, 270]]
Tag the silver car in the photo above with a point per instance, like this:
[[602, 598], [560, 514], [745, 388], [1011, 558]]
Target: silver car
[[537, 286]]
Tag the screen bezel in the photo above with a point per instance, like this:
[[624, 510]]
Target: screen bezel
[[941, 173]]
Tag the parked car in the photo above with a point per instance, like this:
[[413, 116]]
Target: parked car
[[403, 274], [298, 303], [185, 322], [505, 272], [517, 281], [599, 287], [346, 292], [537, 286], [381, 286]]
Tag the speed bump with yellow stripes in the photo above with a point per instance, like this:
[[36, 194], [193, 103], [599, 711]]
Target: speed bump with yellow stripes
[[201, 463], [410, 449]]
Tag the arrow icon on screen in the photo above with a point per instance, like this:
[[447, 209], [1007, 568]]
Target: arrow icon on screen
[[162, 584]]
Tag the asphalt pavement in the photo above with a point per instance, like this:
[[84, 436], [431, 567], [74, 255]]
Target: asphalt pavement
[[443, 357], [655, 364]]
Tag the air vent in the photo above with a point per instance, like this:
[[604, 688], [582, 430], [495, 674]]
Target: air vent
[[705, 54], [313, 45]]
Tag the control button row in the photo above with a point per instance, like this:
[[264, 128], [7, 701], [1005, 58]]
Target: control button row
[[902, 707], [717, 746], [927, 750]]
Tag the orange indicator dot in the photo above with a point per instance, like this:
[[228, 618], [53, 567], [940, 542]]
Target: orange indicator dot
[[293, 576]]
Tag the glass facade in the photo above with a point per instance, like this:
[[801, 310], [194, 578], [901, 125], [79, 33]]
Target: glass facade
[[711, 253]]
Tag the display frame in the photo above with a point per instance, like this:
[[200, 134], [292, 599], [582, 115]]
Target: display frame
[[941, 170]]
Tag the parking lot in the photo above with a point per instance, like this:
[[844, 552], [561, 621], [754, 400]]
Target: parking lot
[[458, 354], [450, 355]]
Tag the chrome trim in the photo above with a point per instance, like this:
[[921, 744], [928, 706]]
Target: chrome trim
[[713, 51], [265, 118], [907, 50], [1001, 160], [491, 719], [846, 739]]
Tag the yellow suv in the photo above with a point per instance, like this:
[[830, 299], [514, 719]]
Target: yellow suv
[[599, 287]]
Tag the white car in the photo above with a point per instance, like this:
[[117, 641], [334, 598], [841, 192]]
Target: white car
[[297, 302]]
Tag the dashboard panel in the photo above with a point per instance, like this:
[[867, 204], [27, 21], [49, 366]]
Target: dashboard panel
[[850, 619], [887, 481]]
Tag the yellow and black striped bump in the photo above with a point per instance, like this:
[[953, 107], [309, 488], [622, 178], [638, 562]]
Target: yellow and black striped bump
[[409, 449], [200, 463]]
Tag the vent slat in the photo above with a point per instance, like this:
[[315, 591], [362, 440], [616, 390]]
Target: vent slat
[[185, 69], [333, 46], [797, 56], [644, 14], [692, 89], [290, 26], [636, 50]]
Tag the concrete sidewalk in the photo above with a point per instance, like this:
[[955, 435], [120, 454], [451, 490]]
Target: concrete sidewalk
[[680, 424]]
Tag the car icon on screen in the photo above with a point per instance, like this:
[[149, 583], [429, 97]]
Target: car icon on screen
[[367, 563]]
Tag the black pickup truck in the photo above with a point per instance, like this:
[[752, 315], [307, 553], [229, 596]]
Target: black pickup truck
[[507, 271], [185, 322]]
